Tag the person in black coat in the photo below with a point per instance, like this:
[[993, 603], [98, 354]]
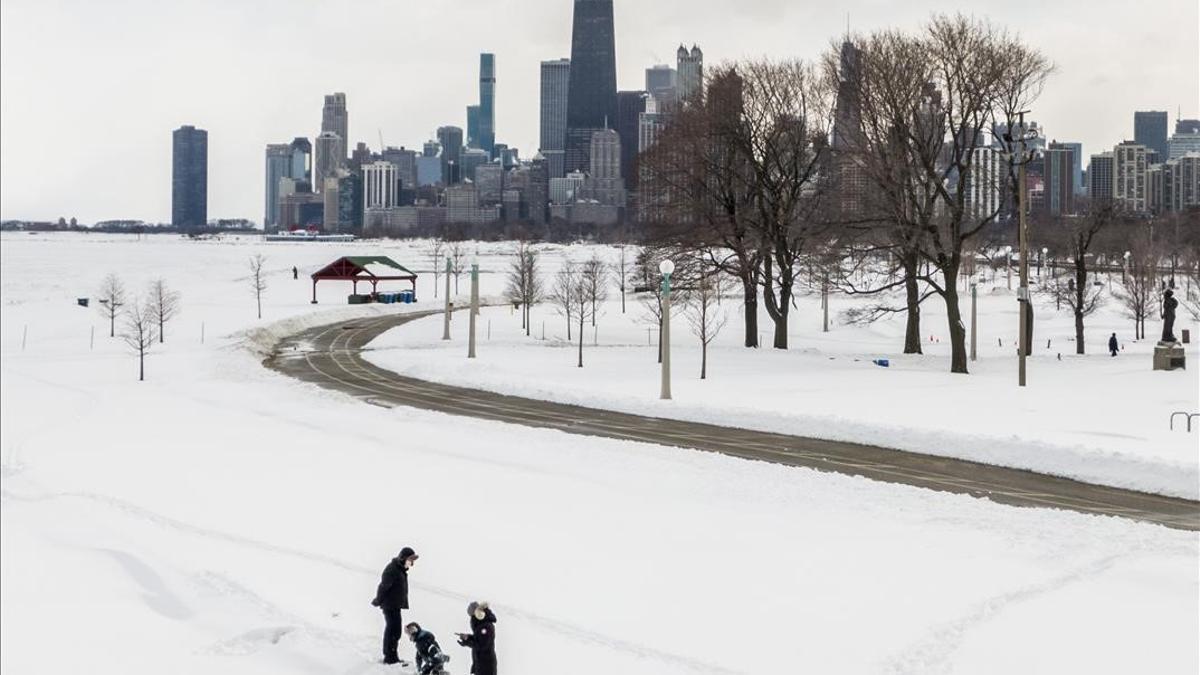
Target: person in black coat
[[481, 639], [429, 655], [1112, 345], [391, 597]]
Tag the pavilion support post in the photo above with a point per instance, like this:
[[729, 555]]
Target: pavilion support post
[[314, 300]]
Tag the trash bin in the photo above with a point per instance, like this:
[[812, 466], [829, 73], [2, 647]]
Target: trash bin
[[882, 363], [83, 302]]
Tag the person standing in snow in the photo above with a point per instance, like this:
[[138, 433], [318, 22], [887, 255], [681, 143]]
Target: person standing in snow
[[481, 639], [429, 655], [295, 272], [391, 597], [1112, 344]]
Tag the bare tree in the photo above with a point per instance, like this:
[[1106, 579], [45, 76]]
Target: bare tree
[[138, 332], [524, 282], [258, 279], [566, 284], [164, 305], [457, 254], [1074, 238], [622, 272], [1139, 293], [683, 279], [111, 297], [435, 257], [593, 274], [705, 317], [583, 298]]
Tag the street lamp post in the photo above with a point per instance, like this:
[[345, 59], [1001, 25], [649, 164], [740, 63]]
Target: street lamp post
[[446, 318], [1125, 268], [1008, 266], [474, 309], [1045, 251], [974, 322], [666, 267]]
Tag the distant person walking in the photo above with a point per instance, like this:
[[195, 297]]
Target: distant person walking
[[481, 639], [391, 597], [1113, 347], [295, 272]]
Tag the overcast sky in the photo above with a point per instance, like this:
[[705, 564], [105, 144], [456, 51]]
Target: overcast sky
[[92, 89]]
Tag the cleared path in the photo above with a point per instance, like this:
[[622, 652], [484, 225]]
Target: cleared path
[[330, 356]]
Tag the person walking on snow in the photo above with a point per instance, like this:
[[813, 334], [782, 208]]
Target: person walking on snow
[[295, 272], [481, 639], [1112, 344], [429, 655], [391, 597]]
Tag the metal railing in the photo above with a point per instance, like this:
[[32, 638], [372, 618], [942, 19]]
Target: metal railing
[[1189, 416]]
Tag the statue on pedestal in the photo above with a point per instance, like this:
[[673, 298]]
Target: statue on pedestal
[[1168, 314]]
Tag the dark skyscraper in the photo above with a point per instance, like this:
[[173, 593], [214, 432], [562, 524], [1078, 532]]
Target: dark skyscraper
[[472, 126], [592, 91], [335, 119], [189, 178], [630, 106], [556, 77], [451, 140], [1150, 130], [849, 178], [487, 102]]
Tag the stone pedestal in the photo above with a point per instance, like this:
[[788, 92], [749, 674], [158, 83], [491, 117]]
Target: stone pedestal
[[1169, 356]]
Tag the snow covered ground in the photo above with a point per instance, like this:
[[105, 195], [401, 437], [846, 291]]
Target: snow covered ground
[[1094, 418], [222, 518]]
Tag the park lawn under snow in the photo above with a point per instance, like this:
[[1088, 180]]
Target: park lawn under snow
[[220, 517], [1094, 418]]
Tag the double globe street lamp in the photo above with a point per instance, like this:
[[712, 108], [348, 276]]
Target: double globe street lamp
[[664, 339]]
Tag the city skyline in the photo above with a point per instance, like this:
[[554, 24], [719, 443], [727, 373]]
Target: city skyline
[[404, 95]]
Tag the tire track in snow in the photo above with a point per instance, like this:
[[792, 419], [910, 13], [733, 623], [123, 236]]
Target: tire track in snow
[[565, 629], [932, 653]]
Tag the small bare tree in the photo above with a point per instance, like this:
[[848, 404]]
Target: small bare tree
[[163, 304], [705, 317], [111, 298], [1075, 237], [622, 273], [593, 274], [583, 299], [457, 254], [138, 332], [435, 257], [524, 282], [258, 279], [1139, 294], [566, 283]]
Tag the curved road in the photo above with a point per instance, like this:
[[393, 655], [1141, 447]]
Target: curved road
[[330, 356]]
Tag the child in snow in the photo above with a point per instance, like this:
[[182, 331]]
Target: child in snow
[[429, 655]]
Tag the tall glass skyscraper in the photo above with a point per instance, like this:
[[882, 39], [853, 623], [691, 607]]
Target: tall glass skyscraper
[[1150, 130], [487, 102], [189, 178], [556, 77], [592, 91]]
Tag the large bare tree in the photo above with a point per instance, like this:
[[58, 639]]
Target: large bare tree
[[1138, 293], [1073, 238], [111, 297]]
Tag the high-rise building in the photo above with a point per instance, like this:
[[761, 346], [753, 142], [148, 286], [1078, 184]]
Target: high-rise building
[[604, 172], [1130, 162], [1100, 177], [330, 157], [279, 165], [451, 140], [1182, 143], [537, 195], [473, 126], [469, 159], [379, 186], [592, 89], [189, 178], [1077, 150], [1187, 126], [661, 83], [552, 139], [301, 158], [1150, 130], [1058, 173], [350, 202], [487, 102], [690, 65], [489, 181], [335, 119], [630, 106], [330, 202], [984, 182], [846, 145]]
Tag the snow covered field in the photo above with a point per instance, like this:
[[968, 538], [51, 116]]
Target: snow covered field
[[222, 518], [1094, 418]]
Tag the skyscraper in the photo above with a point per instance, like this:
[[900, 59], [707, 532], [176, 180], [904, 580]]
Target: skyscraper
[[661, 83], [604, 170], [331, 156], [189, 178], [1100, 177], [487, 102], [279, 165], [690, 65], [1130, 161], [592, 90], [630, 106], [334, 119], [1150, 130], [1077, 150], [553, 132], [850, 180], [451, 140], [1059, 179], [301, 159], [1187, 126], [473, 126]]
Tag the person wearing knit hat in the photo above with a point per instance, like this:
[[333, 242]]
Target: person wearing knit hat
[[391, 597], [481, 639]]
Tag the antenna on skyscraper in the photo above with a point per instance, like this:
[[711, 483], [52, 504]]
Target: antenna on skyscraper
[[381, 146]]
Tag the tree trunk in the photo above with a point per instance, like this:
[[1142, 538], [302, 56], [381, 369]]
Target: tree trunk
[[141, 365], [703, 359], [1080, 292], [750, 290], [580, 365], [781, 326], [912, 327], [958, 333], [112, 323], [160, 331]]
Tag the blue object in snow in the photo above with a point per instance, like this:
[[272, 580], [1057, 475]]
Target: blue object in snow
[[882, 363]]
